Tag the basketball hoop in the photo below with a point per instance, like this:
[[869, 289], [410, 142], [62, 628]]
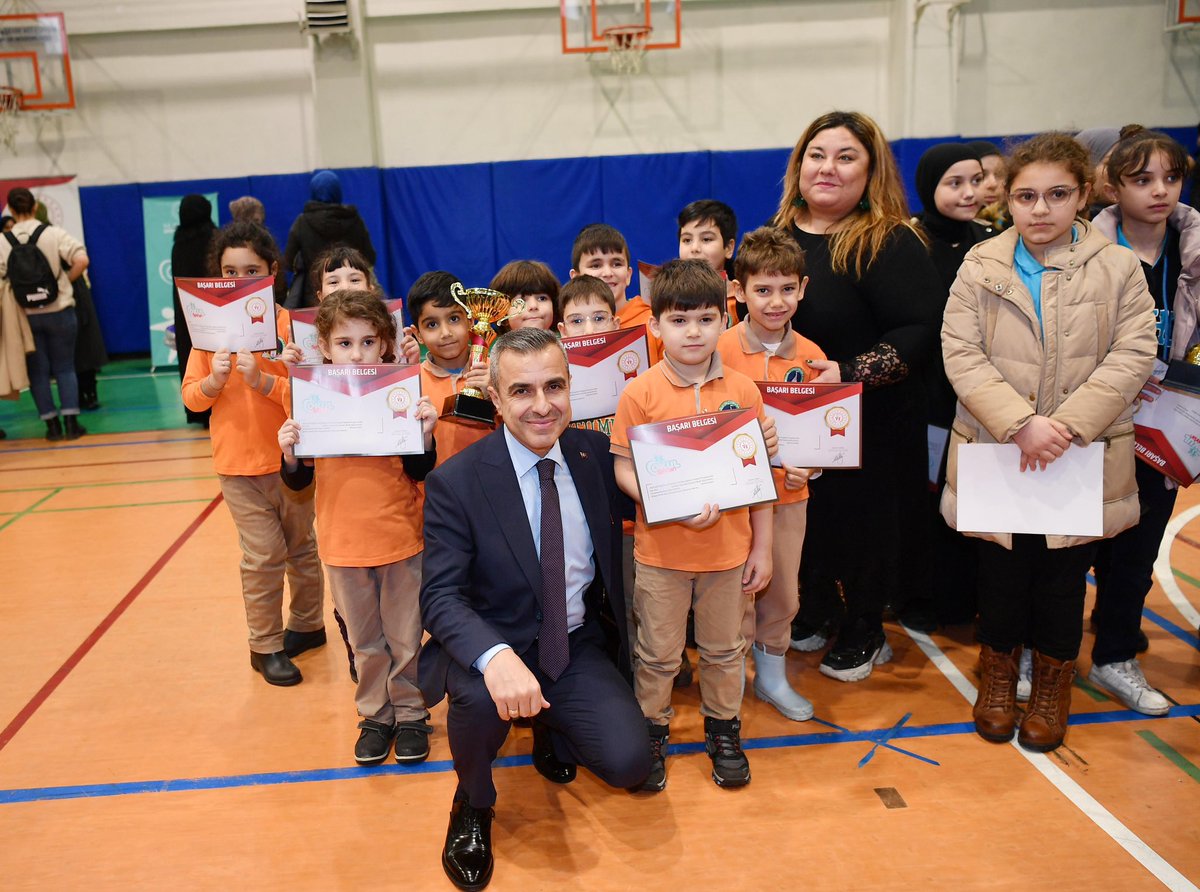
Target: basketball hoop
[[11, 102], [626, 46]]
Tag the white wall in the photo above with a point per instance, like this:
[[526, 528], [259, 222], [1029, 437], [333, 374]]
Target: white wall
[[183, 89]]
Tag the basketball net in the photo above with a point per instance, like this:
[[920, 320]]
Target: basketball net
[[626, 47], [10, 116]]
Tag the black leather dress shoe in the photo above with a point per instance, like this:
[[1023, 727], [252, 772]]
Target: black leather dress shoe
[[276, 668], [467, 857], [296, 643], [544, 760]]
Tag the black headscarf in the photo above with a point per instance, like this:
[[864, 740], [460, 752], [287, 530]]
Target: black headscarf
[[930, 170], [189, 254]]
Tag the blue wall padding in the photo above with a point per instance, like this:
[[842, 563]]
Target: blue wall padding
[[469, 219]]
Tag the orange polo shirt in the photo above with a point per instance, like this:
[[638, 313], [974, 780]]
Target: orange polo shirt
[[662, 395], [453, 435], [740, 348], [637, 312], [245, 423], [368, 511]]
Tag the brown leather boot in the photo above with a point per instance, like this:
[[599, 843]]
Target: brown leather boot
[[996, 706], [1045, 723]]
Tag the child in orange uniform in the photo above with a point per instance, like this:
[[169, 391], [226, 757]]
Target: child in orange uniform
[[275, 525], [710, 563], [375, 578], [770, 282], [445, 330], [533, 282], [601, 251]]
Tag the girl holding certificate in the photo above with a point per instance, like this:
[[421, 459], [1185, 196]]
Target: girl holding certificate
[[275, 527], [1048, 337], [369, 511], [1144, 174]]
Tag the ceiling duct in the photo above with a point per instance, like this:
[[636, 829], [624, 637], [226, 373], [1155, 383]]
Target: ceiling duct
[[326, 17]]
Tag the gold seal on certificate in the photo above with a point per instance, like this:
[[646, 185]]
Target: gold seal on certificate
[[256, 309], [484, 307], [745, 448], [399, 400], [629, 363], [837, 420]]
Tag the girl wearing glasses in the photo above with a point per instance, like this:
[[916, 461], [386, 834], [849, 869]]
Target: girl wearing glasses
[[1048, 337], [1144, 174]]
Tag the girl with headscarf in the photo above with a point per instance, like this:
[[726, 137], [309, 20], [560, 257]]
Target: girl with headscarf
[[189, 260], [949, 185]]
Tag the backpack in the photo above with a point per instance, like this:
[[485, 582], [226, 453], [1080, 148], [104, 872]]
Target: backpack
[[33, 281]]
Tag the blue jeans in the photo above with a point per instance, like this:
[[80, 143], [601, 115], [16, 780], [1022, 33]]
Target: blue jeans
[[54, 338]]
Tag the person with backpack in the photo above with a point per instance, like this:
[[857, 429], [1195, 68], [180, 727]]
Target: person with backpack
[[38, 264]]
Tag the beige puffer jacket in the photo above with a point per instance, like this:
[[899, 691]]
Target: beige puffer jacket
[[1084, 366]]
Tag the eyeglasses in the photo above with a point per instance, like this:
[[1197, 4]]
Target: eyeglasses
[[1054, 198], [594, 318]]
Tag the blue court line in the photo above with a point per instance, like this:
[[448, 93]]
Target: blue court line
[[1162, 622], [891, 732], [279, 778], [875, 737], [60, 448]]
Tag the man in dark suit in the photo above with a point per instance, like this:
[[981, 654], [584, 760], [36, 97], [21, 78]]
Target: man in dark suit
[[522, 568]]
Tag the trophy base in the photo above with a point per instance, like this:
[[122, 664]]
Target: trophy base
[[470, 408]]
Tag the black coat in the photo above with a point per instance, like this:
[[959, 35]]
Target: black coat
[[320, 227]]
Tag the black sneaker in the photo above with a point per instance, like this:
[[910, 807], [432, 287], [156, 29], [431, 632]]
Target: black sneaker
[[374, 741], [412, 741], [808, 638], [723, 743], [856, 652], [656, 780]]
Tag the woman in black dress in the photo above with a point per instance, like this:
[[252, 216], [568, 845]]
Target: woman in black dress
[[872, 305]]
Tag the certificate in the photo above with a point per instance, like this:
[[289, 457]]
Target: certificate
[[819, 425], [714, 459], [304, 331], [1166, 424], [601, 365], [996, 496], [357, 410], [230, 314]]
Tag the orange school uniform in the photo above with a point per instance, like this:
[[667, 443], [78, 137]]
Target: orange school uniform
[[452, 435], [637, 312], [661, 395], [245, 423], [368, 511], [741, 349]]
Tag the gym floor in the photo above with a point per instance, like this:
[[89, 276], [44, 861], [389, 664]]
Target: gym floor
[[138, 748]]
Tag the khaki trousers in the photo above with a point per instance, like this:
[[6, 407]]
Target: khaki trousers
[[661, 601], [769, 615], [383, 622], [275, 530]]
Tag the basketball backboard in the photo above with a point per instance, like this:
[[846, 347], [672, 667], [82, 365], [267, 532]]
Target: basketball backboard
[[585, 21], [34, 59]]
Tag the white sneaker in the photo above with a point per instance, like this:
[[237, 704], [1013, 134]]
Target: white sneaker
[[1126, 682], [1025, 675]]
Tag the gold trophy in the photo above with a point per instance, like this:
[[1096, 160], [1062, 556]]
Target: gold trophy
[[484, 307]]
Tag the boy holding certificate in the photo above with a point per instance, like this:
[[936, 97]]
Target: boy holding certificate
[[445, 330], [770, 281], [709, 563]]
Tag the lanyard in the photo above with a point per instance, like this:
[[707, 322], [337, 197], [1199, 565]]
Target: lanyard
[[1162, 315]]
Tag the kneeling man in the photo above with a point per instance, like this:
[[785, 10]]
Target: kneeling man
[[522, 597]]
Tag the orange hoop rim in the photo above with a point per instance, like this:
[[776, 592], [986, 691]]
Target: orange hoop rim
[[627, 37], [11, 100]]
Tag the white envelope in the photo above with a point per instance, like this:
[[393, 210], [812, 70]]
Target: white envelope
[[995, 496], [229, 314]]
